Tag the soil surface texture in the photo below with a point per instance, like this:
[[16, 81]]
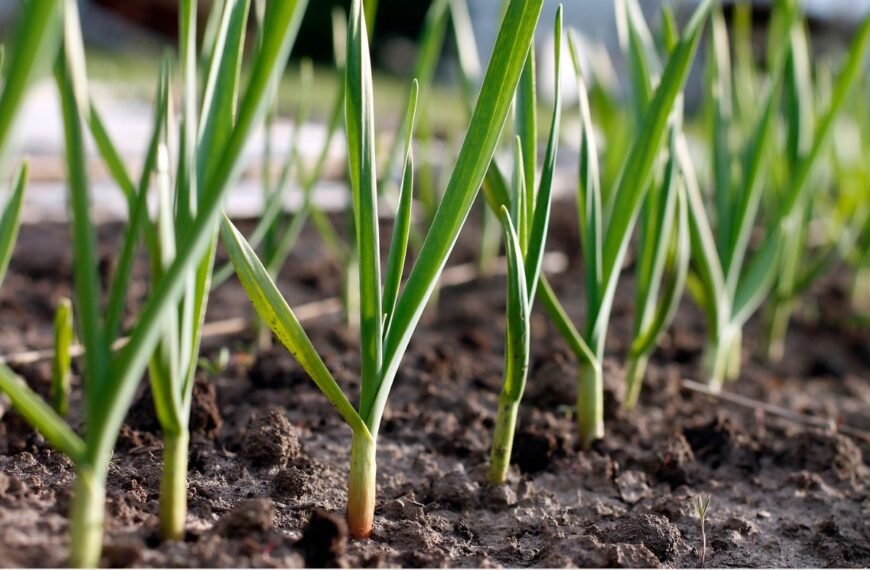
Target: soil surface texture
[[269, 455]]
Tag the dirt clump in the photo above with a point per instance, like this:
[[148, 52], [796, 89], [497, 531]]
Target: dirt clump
[[248, 517], [324, 540], [270, 439]]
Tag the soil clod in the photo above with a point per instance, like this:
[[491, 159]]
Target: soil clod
[[324, 540], [248, 517], [653, 531], [270, 440]]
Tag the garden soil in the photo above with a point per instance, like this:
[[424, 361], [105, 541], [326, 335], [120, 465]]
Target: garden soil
[[269, 456]]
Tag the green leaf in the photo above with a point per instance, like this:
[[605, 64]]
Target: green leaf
[[670, 32], [563, 324], [218, 111], [518, 185], [541, 217], [275, 312], [638, 167], [641, 56], [666, 308], [756, 282], [589, 204], [656, 238], [711, 278], [40, 415], [360, 128], [85, 276], [163, 369], [402, 222], [754, 161], [60, 370], [511, 48], [719, 91], [282, 23], [10, 220], [849, 74], [187, 179], [527, 132], [30, 54], [518, 314], [138, 214]]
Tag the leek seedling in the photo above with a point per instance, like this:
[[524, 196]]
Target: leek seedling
[[386, 329], [663, 247], [112, 379], [606, 232], [205, 126], [63, 338], [525, 234], [726, 285], [826, 224]]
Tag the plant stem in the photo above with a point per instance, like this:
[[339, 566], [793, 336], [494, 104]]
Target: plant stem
[[703, 543], [362, 486], [590, 404], [778, 328], [503, 440], [173, 486], [719, 359], [86, 517], [735, 356], [634, 379], [861, 290]]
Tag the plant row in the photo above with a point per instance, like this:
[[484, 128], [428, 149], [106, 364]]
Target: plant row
[[743, 206]]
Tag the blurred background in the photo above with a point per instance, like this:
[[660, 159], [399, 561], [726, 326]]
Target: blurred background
[[127, 38], [142, 26]]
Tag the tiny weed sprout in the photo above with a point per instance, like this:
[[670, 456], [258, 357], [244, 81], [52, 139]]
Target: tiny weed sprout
[[702, 504], [181, 276], [60, 369], [386, 327]]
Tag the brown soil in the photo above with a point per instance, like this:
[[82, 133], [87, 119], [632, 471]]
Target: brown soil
[[269, 455]]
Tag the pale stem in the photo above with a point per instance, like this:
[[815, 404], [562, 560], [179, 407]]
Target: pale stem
[[87, 514], [590, 404], [634, 379], [503, 440], [362, 486], [173, 486]]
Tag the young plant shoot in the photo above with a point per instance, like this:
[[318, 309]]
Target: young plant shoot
[[727, 283], [388, 317], [60, 370], [663, 248], [112, 378], [606, 232], [525, 234]]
